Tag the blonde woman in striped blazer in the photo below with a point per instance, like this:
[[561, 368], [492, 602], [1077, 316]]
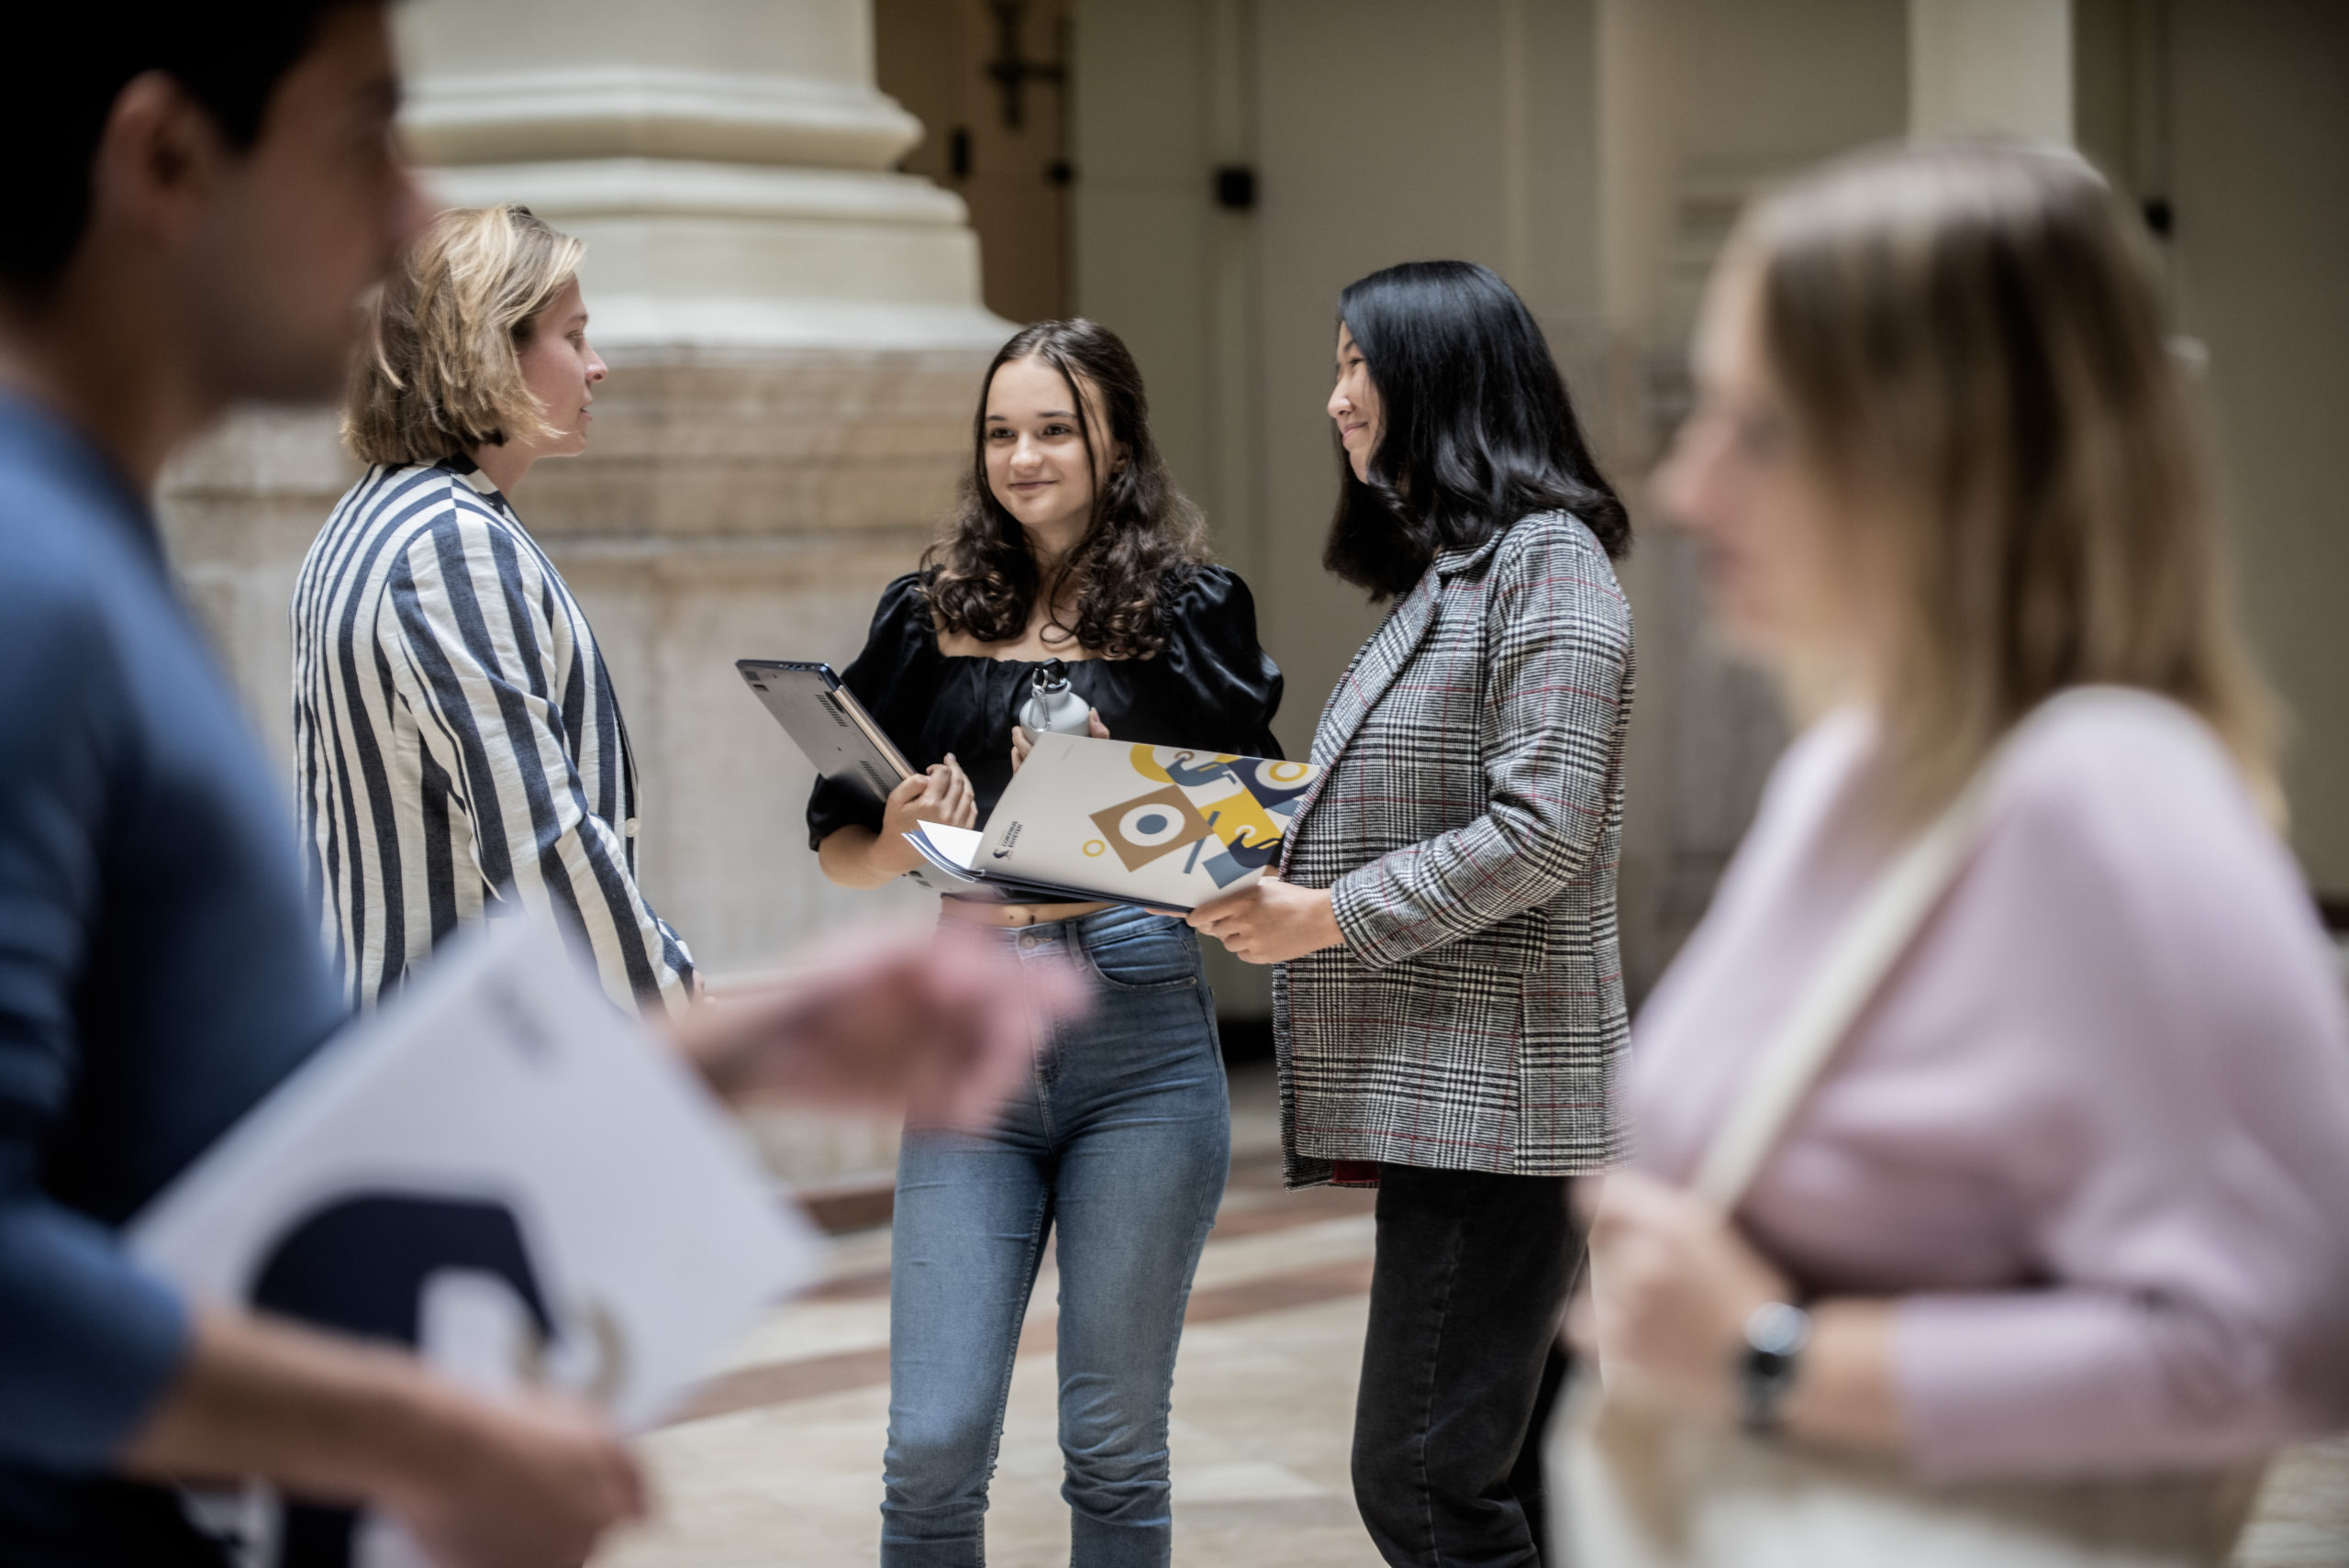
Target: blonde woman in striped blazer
[[458, 745], [1449, 1005]]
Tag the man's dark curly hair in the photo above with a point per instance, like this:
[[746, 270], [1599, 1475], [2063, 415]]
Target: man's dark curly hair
[[1144, 541]]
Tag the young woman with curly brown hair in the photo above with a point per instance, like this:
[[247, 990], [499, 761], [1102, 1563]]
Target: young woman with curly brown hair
[[1071, 543]]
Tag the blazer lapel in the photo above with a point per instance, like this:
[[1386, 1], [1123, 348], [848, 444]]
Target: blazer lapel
[[1374, 668]]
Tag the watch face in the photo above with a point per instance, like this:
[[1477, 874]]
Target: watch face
[[1775, 1336], [1778, 1329]]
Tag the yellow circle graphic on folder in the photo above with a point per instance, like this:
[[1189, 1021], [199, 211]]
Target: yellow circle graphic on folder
[[1095, 847]]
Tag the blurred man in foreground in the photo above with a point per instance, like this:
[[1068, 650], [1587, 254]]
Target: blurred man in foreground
[[198, 197]]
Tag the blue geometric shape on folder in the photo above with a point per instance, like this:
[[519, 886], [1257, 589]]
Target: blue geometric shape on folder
[[360, 1265], [1185, 770], [1238, 860]]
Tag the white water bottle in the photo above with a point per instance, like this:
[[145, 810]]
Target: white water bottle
[[1053, 706]]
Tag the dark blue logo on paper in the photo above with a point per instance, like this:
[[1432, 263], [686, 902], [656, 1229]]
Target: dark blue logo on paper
[[360, 1265]]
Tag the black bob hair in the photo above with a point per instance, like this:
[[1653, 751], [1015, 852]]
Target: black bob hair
[[230, 55], [1478, 429]]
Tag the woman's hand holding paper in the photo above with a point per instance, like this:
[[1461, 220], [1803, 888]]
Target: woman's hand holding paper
[[856, 856], [934, 1023], [1270, 922], [942, 793]]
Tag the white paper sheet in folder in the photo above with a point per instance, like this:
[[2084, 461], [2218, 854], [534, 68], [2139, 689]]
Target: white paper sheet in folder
[[1168, 827], [503, 1171]]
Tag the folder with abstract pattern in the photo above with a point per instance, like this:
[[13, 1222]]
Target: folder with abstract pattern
[[1168, 827]]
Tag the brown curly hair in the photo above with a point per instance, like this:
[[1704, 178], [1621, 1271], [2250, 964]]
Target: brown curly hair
[[1144, 539]]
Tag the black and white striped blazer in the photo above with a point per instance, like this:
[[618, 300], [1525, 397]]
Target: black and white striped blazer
[[1467, 823], [457, 744]]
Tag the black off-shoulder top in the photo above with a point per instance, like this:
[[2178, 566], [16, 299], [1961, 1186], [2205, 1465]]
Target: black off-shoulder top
[[1210, 685]]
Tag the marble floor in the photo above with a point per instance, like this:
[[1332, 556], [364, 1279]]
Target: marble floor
[[777, 1465]]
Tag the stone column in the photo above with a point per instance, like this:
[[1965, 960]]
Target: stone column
[[726, 160], [795, 338]]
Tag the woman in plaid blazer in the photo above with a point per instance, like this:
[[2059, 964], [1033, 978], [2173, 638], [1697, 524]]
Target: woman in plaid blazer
[[1448, 1004]]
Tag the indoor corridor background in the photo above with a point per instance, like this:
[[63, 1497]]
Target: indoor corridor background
[[810, 222]]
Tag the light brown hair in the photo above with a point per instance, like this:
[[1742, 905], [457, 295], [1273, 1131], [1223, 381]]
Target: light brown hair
[[441, 371], [1976, 355]]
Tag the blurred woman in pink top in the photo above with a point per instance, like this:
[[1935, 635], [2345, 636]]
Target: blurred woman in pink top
[[2072, 1197]]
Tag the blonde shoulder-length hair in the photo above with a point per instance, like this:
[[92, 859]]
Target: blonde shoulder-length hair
[[441, 371], [1976, 359]]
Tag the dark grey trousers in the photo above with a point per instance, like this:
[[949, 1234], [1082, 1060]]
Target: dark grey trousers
[[1460, 1365]]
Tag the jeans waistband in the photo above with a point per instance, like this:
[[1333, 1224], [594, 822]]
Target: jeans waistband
[[1058, 935]]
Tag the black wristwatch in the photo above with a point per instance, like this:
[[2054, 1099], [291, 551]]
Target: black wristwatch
[[1776, 1334]]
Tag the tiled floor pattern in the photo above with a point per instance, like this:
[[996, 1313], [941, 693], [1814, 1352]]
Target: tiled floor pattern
[[779, 1464]]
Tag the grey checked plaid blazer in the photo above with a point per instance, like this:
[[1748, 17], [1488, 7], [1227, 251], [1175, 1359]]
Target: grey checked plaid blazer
[[1467, 825]]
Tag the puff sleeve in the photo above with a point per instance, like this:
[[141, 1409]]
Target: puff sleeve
[[1216, 685]]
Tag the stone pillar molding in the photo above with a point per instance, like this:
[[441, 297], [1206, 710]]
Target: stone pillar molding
[[727, 163], [2000, 66], [655, 111]]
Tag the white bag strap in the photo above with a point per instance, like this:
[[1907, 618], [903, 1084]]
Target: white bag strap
[[1863, 952]]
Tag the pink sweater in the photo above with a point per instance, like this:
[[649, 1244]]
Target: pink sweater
[[2095, 1131]]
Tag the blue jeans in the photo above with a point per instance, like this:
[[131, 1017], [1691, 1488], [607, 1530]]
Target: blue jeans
[[1121, 1145]]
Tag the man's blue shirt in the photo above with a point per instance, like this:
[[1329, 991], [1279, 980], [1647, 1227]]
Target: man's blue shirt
[[160, 968]]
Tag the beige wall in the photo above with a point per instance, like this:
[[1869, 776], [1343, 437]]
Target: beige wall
[[1596, 153], [1386, 134], [934, 56], [813, 42], [1702, 102], [1161, 101], [2259, 161], [1999, 66]]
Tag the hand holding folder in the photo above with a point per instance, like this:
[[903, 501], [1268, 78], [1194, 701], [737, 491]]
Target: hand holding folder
[[1165, 827]]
